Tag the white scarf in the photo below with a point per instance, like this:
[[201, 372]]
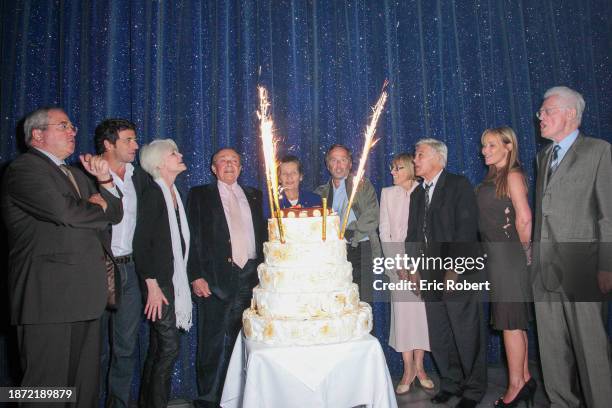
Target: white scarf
[[182, 293]]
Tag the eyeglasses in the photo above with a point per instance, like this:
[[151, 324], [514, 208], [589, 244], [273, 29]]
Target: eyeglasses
[[396, 168], [548, 111], [64, 126]]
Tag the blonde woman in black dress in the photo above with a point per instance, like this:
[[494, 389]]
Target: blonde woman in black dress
[[505, 228]]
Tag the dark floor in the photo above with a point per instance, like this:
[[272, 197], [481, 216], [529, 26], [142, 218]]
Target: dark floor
[[419, 398]]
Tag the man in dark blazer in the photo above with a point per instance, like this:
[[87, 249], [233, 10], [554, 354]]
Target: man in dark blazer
[[115, 140], [572, 255], [55, 216], [227, 232], [444, 223]]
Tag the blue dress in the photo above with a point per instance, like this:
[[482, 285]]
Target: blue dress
[[305, 199]]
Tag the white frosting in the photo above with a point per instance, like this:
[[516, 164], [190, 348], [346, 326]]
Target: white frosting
[[305, 294], [346, 327], [304, 255], [304, 305], [299, 279]]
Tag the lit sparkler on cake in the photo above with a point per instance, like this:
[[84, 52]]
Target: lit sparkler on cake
[[367, 146], [269, 150]]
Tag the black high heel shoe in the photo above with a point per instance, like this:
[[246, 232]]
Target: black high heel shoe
[[524, 394], [532, 385]]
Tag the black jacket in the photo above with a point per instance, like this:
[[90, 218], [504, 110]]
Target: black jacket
[[211, 250], [452, 219], [56, 271], [152, 243]]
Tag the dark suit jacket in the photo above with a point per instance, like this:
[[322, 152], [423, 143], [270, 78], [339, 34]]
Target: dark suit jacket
[[152, 243], [452, 220], [56, 262], [573, 219], [211, 250]]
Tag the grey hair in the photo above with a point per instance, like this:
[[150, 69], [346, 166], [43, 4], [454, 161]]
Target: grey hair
[[152, 155], [437, 145], [573, 98], [37, 120]]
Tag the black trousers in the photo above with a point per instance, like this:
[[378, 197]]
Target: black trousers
[[219, 323], [458, 340], [360, 258], [161, 355], [62, 355]]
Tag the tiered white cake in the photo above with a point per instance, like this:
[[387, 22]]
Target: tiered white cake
[[306, 294]]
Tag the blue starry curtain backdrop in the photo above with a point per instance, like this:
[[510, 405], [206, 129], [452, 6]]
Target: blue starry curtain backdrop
[[188, 70]]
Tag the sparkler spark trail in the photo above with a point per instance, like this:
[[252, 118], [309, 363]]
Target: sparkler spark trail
[[269, 151], [368, 144]]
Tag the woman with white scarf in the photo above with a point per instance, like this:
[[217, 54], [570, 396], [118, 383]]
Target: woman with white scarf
[[161, 250]]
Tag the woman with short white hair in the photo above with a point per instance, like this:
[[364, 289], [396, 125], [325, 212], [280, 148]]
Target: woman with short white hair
[[161, 250]]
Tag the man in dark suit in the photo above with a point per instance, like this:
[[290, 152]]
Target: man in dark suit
[[227, 232], [573, 255], [444, 223], [55, 216], [115, 140]]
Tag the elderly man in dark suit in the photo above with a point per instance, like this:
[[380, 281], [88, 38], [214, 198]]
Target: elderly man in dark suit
[[573, 255], [55, 216], [227, 230], [443, 223]]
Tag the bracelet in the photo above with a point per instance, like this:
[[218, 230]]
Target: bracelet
[[110, 180]]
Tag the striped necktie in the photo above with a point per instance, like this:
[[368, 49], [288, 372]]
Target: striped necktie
[[427, 187], [554, 162]]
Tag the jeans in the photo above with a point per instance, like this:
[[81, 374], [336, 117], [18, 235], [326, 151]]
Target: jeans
[[121, 345]]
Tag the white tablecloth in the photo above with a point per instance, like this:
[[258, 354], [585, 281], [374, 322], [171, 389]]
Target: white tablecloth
[[336, 376]]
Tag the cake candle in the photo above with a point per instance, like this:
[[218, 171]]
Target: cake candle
[[324, 226], [368, 144]]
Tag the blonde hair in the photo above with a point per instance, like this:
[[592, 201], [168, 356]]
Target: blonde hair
[[507, 137], [407, 160]]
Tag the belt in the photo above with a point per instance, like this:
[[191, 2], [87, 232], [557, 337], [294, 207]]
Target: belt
[[124, 259]]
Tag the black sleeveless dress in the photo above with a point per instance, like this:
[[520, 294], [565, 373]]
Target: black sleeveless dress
[[506, 261]]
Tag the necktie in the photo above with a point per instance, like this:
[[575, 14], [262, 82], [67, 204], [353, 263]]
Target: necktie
[[237, 231], [70, 176], [427, 188], [554, 162]]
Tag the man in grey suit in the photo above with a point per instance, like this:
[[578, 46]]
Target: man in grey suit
[[572, 256], [55, 216]]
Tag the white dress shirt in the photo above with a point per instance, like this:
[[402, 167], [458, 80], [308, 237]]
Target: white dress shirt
[[123, 233]]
